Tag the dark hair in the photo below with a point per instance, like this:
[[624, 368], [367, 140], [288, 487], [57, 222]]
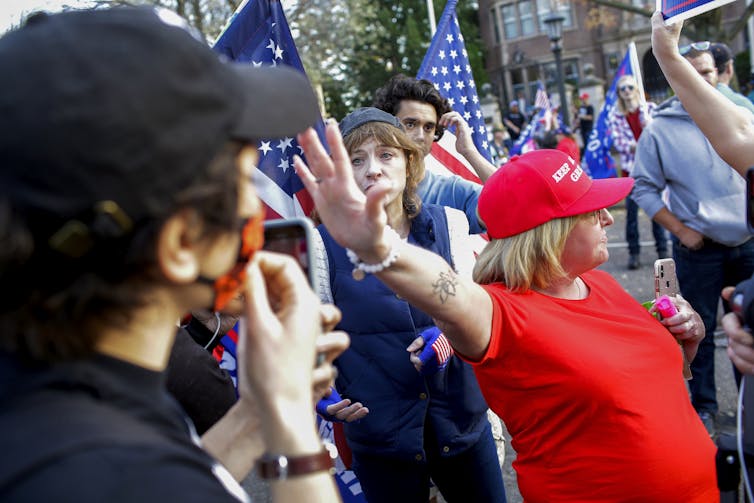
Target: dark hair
[[51, 304], [400, 87], [548, 139]]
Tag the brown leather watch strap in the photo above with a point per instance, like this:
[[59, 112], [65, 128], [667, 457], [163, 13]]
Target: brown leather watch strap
[[279, 467]]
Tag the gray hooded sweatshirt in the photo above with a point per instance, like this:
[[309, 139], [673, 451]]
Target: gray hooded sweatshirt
[[704, 192]]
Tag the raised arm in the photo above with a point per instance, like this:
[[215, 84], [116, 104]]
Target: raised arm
[[358, 221], [727, 126], [465, 145]]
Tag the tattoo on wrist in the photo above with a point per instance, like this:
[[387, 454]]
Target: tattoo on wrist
[[445, 286]]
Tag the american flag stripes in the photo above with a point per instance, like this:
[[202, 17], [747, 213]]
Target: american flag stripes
[[442, 348], [446, 65]]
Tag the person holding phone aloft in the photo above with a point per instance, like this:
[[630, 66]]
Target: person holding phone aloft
[[589, 384]]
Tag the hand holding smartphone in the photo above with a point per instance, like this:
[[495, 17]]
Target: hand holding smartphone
[[666, 284], [293, 236]]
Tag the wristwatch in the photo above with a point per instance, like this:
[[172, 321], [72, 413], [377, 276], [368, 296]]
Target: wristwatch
[[281, 467]]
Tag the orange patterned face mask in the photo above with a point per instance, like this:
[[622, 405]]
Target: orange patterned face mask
[[230, 284]]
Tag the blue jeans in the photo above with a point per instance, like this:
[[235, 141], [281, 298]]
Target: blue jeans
[[473, 475], [632, 230], [702, 274]]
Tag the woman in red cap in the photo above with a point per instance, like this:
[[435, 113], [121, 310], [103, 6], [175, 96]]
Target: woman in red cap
[[588, 383]]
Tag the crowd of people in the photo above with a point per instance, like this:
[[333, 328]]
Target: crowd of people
[[132, 237]]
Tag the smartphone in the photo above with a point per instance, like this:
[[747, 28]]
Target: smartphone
[[666, 282], [293, 236], [750, 199]]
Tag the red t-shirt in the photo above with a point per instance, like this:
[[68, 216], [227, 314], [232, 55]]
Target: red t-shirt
[[593, 396], [634, 123]]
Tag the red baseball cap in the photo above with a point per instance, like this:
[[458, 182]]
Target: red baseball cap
[[584, 96], [540, 186]]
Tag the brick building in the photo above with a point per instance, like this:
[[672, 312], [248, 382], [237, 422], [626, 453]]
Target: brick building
[[518, 50]]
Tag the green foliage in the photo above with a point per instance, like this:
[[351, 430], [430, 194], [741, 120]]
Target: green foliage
[[394, 39], [348, 47]]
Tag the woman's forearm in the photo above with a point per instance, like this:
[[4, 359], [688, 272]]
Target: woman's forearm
[[461, 308]]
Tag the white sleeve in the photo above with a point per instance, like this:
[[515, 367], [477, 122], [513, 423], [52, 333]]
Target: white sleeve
[[322, 268], [460, 242]]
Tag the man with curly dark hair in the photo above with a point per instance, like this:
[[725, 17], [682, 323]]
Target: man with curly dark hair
[[425, 114]]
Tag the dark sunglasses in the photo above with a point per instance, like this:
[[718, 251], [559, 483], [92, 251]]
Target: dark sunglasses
[[624, 87], [698, 46]]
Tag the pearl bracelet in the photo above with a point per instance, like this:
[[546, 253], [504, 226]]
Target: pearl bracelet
[[361, 269]]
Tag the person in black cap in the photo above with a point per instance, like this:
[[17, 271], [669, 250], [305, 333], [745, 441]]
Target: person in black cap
[[126, 201], [724, 64]]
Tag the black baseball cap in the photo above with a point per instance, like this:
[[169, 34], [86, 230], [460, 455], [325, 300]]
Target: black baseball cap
[[722, 55], [361, 116], [126, 106]]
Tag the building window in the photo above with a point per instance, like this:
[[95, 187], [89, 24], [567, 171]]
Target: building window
[[613, 61], [543, 10], [510, 20], [495, 25], [527, 17], [570, 71], [564, 8]]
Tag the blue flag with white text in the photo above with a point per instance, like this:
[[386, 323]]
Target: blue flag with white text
[[258, 34], [599, 163], [446, 65]]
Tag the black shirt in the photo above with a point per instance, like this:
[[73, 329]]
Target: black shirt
[[195, 379], [518, 120], [586, 124], [99, 430]]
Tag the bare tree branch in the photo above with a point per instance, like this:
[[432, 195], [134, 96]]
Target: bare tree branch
[[740, 24], [622, 6]]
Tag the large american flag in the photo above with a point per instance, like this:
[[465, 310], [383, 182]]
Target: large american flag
[[446, 65], [258, 34]]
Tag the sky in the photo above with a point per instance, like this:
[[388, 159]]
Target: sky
[[13, 11]]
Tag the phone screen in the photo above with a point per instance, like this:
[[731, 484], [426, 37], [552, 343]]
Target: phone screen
[[291, 237], [750, 199]]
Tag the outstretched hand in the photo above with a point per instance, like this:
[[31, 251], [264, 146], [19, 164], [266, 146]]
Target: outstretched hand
[[356, 220]]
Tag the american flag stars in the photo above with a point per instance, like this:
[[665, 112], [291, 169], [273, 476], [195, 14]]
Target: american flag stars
[[447, 66]]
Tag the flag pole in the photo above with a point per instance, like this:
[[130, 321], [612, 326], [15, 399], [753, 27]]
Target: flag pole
[[634, 58], [431, 15]]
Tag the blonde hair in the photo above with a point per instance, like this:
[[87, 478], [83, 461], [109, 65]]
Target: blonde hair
[[621, 102], [527, 260], [387, 134]]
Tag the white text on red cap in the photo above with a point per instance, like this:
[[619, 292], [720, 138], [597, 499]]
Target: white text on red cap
[[565, 169]]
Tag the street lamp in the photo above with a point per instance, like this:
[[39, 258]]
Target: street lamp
[[554, 26]]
